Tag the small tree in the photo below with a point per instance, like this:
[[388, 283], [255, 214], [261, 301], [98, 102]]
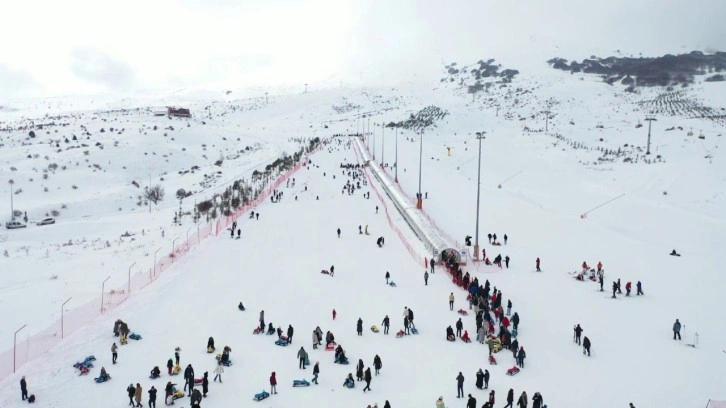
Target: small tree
[[154, 194]]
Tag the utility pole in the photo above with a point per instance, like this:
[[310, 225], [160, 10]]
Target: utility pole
[[396, 160], [547, 120], [480, 136], [383, 142], [12, 211], [374, 139], [419, 200], [650, 119]]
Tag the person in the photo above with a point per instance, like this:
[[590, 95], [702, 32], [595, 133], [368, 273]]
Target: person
[[377, 363], [386, 404], [522, 400], [131, 391], [189, 379], [338, 232], [520, 357], [615, 289], [104, 374], [601, 280], [450, 334], [388, 276], [515, 321], [218, 371], [471, 403], [168, 391], [114, 352], [578, 333], [359, 370], [627, 288], [349, 381], [205, 384], [302, 355], [137, 395], [639, 288], [486, 379], [210, 344], [586, 346], [196, 398], [273, 383], [241, 306], [23, 389], [537, 400], [386, 323], [677, 330], [537, 264], [316, 371], [451, 301], [440, 403], [426, 278], [491, 398], [459, 384], [506, 261], [459, 327], [505, 239], [155, 372], [177, 350], [290, 332], [490, 238], [510, 399], [432, 263], [332, 272], [509, 307], [359, 327], [367, 377], [376, 209], [152, 397], [479, 379], [334, 314]]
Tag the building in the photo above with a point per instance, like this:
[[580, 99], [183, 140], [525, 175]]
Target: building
[[178, 112]]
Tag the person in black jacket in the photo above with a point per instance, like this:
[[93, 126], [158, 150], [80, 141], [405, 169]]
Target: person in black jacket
[[586, 346], [471, 403], [189, 379], [23, 389], [410, 315], [388, 276], [368, 379], [131, 390], [290, 332], [205, 384], [152, 397], [377, 364], [459, 327], [537, 399], [480, 379], [450, 334], [514, 347], [359, 370], [510, 399], [578, 333], [386, 324], [486, 379], [515, 321], [359, 326]]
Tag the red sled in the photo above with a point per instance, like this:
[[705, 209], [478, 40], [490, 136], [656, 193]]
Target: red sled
[[513, 371], [198, 380], [492, 360], [463, 312], [325, 272], [257, 330], [284, 338], [331, 346], [399, 333]]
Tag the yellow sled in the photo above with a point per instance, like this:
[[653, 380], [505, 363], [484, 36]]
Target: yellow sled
[[374, 328], [176, 370], [210, 350], [178, 394], [124, 340]]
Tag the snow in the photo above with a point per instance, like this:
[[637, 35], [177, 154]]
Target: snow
[[276, 265]]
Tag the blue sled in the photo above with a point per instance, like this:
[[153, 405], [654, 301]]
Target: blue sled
[[300, 383], [135, 336], [260, 396]]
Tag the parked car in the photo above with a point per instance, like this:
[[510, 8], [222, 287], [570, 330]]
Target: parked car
[[14, 225], [46, 221]]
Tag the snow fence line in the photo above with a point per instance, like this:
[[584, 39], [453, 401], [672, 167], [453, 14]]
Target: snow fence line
[[40, 343], [421, 225]]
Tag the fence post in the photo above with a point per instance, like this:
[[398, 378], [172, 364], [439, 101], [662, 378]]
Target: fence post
[[62, 312], [15, 338]]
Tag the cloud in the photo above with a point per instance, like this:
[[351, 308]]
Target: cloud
[[95, 66], [14, 82]]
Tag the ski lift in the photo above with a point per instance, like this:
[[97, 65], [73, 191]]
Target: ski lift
[[690, 132], [639, 125], [701, 136], [599, 125]]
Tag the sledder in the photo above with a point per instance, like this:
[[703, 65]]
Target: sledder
[[103, 377], [349, 381], [261, 395], [392, 284], [466, 337], [495, 345], [413, 329], [282, 341], [300, 383], [155, 373], [492, 360], [224, 357], [513, 371], [210, 345], [330, 346]]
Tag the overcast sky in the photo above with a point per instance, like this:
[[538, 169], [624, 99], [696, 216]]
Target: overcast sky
[[52, 47]]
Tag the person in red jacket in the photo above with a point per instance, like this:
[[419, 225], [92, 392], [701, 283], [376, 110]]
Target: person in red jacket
[[628, 286], [537, 263], [273, 384], [334, 314], [599, 266], [505, 322], [584, 266]]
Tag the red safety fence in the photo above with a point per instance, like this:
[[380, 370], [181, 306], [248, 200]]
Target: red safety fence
[[31, 347], [416, 255]]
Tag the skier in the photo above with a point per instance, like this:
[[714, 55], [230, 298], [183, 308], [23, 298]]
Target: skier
[[388, 276], [471, 403], [114, 352], [480, 379], [537, 265], [377, 363], [426, 278], [152, 397], [302, 355], [218, 371], [451, 301], [639, 289], [131, 391], [386, 324], [290, 332], [368, 379], [586, 346], [459, 327], [459, 384], [677, 330], [273, 383], [23, 389], [316, 371], [578, 333], [506, 261]]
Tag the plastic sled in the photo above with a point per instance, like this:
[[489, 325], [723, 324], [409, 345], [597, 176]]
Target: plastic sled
[[227, 363], [414, 330], [176, 370], [281, 342], [257, 330], [270, 332], [374, 329], [124, 340], [177, 394], [154, 377], [392, 283], [349, 384], [451, 338], [492, 360], [260, 396], [513, 371], [463, 312], [399, 333], [344, 361], [307, 361], [331, 346], [210, 350], [198, 380], [513, 333], [135, 336], [100, 379], [300, 383], [466, 339], [84, 370]]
